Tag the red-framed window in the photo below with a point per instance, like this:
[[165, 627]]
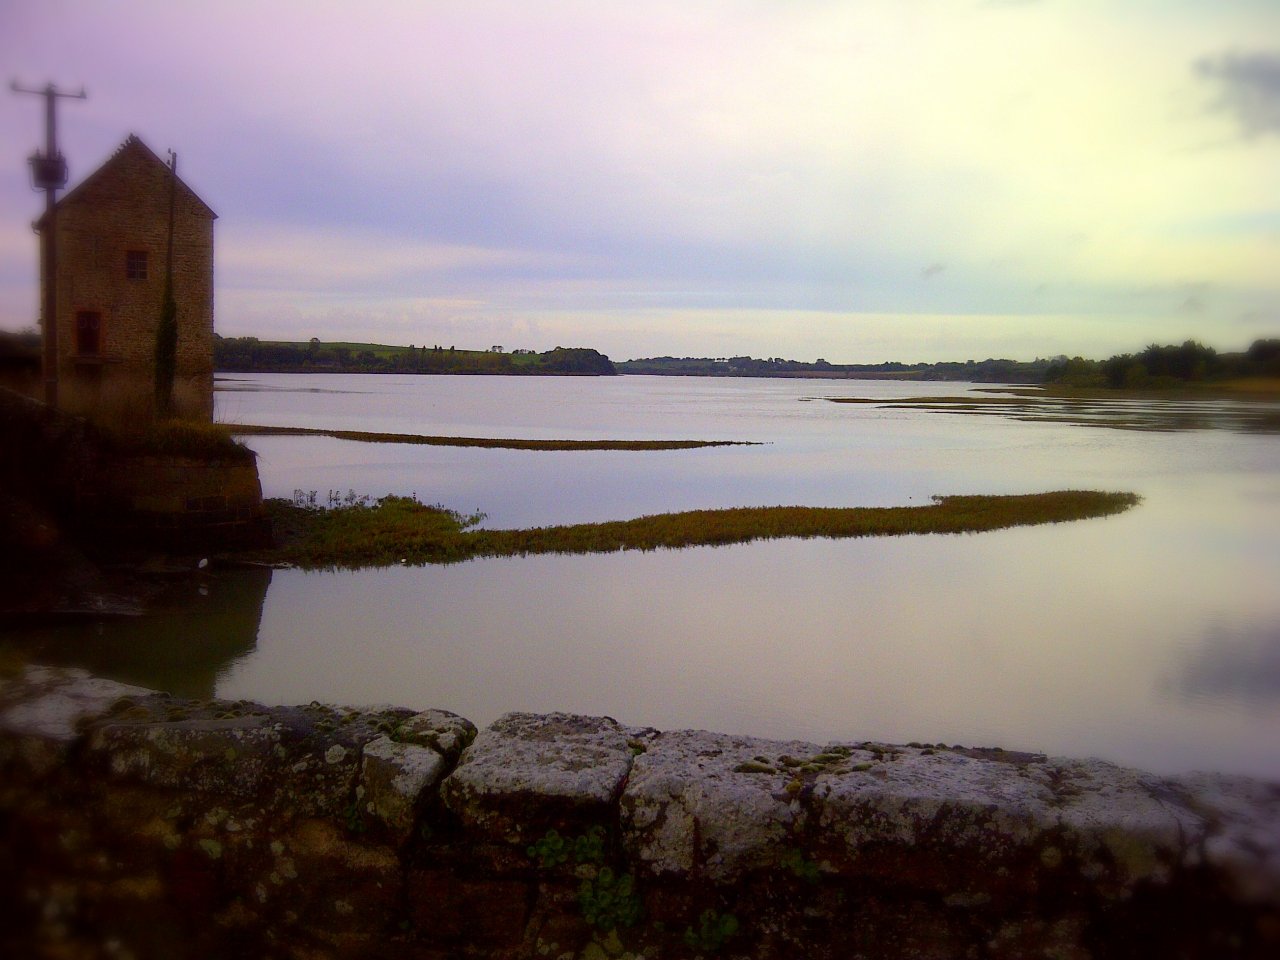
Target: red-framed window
[[135, 264]]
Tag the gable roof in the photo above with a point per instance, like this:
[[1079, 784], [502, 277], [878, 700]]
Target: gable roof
[[132, 149]]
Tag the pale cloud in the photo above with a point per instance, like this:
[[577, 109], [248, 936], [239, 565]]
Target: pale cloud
[[320, 261]]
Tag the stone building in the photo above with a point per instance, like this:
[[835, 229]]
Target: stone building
[[112, 238]]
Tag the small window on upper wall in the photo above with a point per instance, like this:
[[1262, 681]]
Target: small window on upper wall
[[135, 264]]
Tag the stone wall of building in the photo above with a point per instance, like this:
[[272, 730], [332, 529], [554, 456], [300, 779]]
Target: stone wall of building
[[123, 208], [183, 504], [139, 825]]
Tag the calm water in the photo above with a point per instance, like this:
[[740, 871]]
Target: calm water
[[1151, 639]]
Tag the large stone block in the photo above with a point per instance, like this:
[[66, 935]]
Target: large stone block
[[303, 760], [396, 770], [42, 710], [446, 909], [933, 819], [689, 808], [1242, 840], [337, 888], [528, 773]]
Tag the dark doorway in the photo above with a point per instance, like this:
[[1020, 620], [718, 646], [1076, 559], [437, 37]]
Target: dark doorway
[[88, 333]]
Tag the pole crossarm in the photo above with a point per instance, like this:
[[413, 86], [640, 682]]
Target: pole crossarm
[[49, 91]]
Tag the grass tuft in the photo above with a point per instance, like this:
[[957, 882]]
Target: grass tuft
[[198, 440]]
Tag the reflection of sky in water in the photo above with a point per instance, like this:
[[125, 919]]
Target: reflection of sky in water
[[1238, 663], [818, 454], [1100, 638], [1256, 415]]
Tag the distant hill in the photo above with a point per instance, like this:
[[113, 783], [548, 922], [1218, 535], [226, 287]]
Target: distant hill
[[251, 355]]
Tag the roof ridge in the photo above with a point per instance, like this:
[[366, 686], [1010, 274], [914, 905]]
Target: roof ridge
[[131, 143]]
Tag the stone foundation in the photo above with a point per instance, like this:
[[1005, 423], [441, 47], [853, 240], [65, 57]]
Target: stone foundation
[[136, 824], [113, 501], [182, 505]]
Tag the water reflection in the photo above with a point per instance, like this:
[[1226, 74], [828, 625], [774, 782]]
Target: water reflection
[[227, 385], [1030, 405], [1084, 639], [1236, 663], [184, 646]]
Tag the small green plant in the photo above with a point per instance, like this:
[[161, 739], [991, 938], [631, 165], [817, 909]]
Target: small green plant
[[589, 847], [553, 849], [392, 729], [800, 865], [353, 817], [712, 931], [550, 851], [610, 900], [348, 500]]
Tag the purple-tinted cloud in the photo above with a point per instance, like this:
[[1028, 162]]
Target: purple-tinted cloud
[[423, 160], [1249, 88]]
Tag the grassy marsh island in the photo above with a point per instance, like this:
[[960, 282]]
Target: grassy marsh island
[[361, 436], [394, 530]]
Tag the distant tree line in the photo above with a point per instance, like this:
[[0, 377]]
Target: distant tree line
[[251, 355], [20, 361], [1153, 368], [1159, 367], [974, 371]]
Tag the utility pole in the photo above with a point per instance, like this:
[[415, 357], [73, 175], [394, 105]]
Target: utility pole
[[167, 331], [49, 173]]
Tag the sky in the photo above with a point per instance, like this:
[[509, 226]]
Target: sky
[[853, 180]]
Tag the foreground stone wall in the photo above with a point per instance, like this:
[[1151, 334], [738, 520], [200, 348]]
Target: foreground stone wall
[[138, 825]]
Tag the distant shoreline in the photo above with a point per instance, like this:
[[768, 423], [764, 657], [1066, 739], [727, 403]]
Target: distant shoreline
[[1187, 367]]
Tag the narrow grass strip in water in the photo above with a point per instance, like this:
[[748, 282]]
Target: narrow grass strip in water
[[399, 530], [253, 430]]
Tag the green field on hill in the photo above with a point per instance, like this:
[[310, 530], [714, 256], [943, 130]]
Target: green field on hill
[[251, 355]]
